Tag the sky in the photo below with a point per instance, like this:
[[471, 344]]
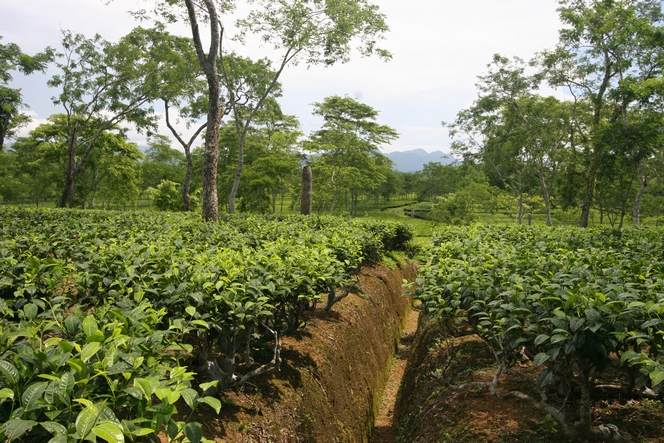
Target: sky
[[439, 48]]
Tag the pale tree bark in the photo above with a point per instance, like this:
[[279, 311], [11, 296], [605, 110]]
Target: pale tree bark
[[636, 208]]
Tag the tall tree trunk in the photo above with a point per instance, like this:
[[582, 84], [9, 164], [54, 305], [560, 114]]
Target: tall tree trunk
[[215, 109], [636, 208], [306, 204], [521, 210], [238, 174], [69, 194]]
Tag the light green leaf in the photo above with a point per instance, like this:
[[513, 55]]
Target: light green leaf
[[89, 351], [6, 393], [30, 310], [215, 403], [656, 377], [111, 432], [190, 396], [89, 325], [85, 421]]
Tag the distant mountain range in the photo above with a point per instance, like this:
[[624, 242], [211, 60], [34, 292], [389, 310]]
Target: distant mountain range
[[412, 161]]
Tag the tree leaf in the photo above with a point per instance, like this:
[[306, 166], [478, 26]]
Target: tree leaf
[[214, 402], [89, 351], [89, 325], [6, 393], [190, 396], [575, 323], [541, 339], [54, 428]]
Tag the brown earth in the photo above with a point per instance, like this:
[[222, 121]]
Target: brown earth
[[331, 374], [429, 411]]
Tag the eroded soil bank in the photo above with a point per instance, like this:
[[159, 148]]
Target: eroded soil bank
[[332, 372]]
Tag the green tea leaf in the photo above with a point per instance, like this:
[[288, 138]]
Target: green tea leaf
[[54, 428], [32, 394], [85, 421], [9, 371], [89, 325], [214, 402], [656, 377], [541, 358], [15, 428], [111, 432], [89, 351], [193, 431], [6, 393]]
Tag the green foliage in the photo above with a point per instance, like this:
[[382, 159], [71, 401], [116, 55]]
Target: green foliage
[[167, 197], [453, 209], [70, 376]]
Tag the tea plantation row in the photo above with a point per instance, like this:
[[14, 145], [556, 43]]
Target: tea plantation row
[[102, 312], [585, 306]]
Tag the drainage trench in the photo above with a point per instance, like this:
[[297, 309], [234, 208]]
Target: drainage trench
[[385, 426]]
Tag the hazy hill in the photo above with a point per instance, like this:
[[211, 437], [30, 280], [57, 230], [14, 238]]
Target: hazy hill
[[411, 161]]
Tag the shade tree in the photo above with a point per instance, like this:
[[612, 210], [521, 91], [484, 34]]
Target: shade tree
[[606, 50], [102, 85], [346, 147], [11, 99]]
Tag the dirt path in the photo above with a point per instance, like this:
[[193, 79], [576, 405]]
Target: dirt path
[[384, 428]]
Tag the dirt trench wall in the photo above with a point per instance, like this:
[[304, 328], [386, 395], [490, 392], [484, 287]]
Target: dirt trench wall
[[332, 371]]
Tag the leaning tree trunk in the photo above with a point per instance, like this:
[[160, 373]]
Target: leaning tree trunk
[[306, 203], [238, 175]]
